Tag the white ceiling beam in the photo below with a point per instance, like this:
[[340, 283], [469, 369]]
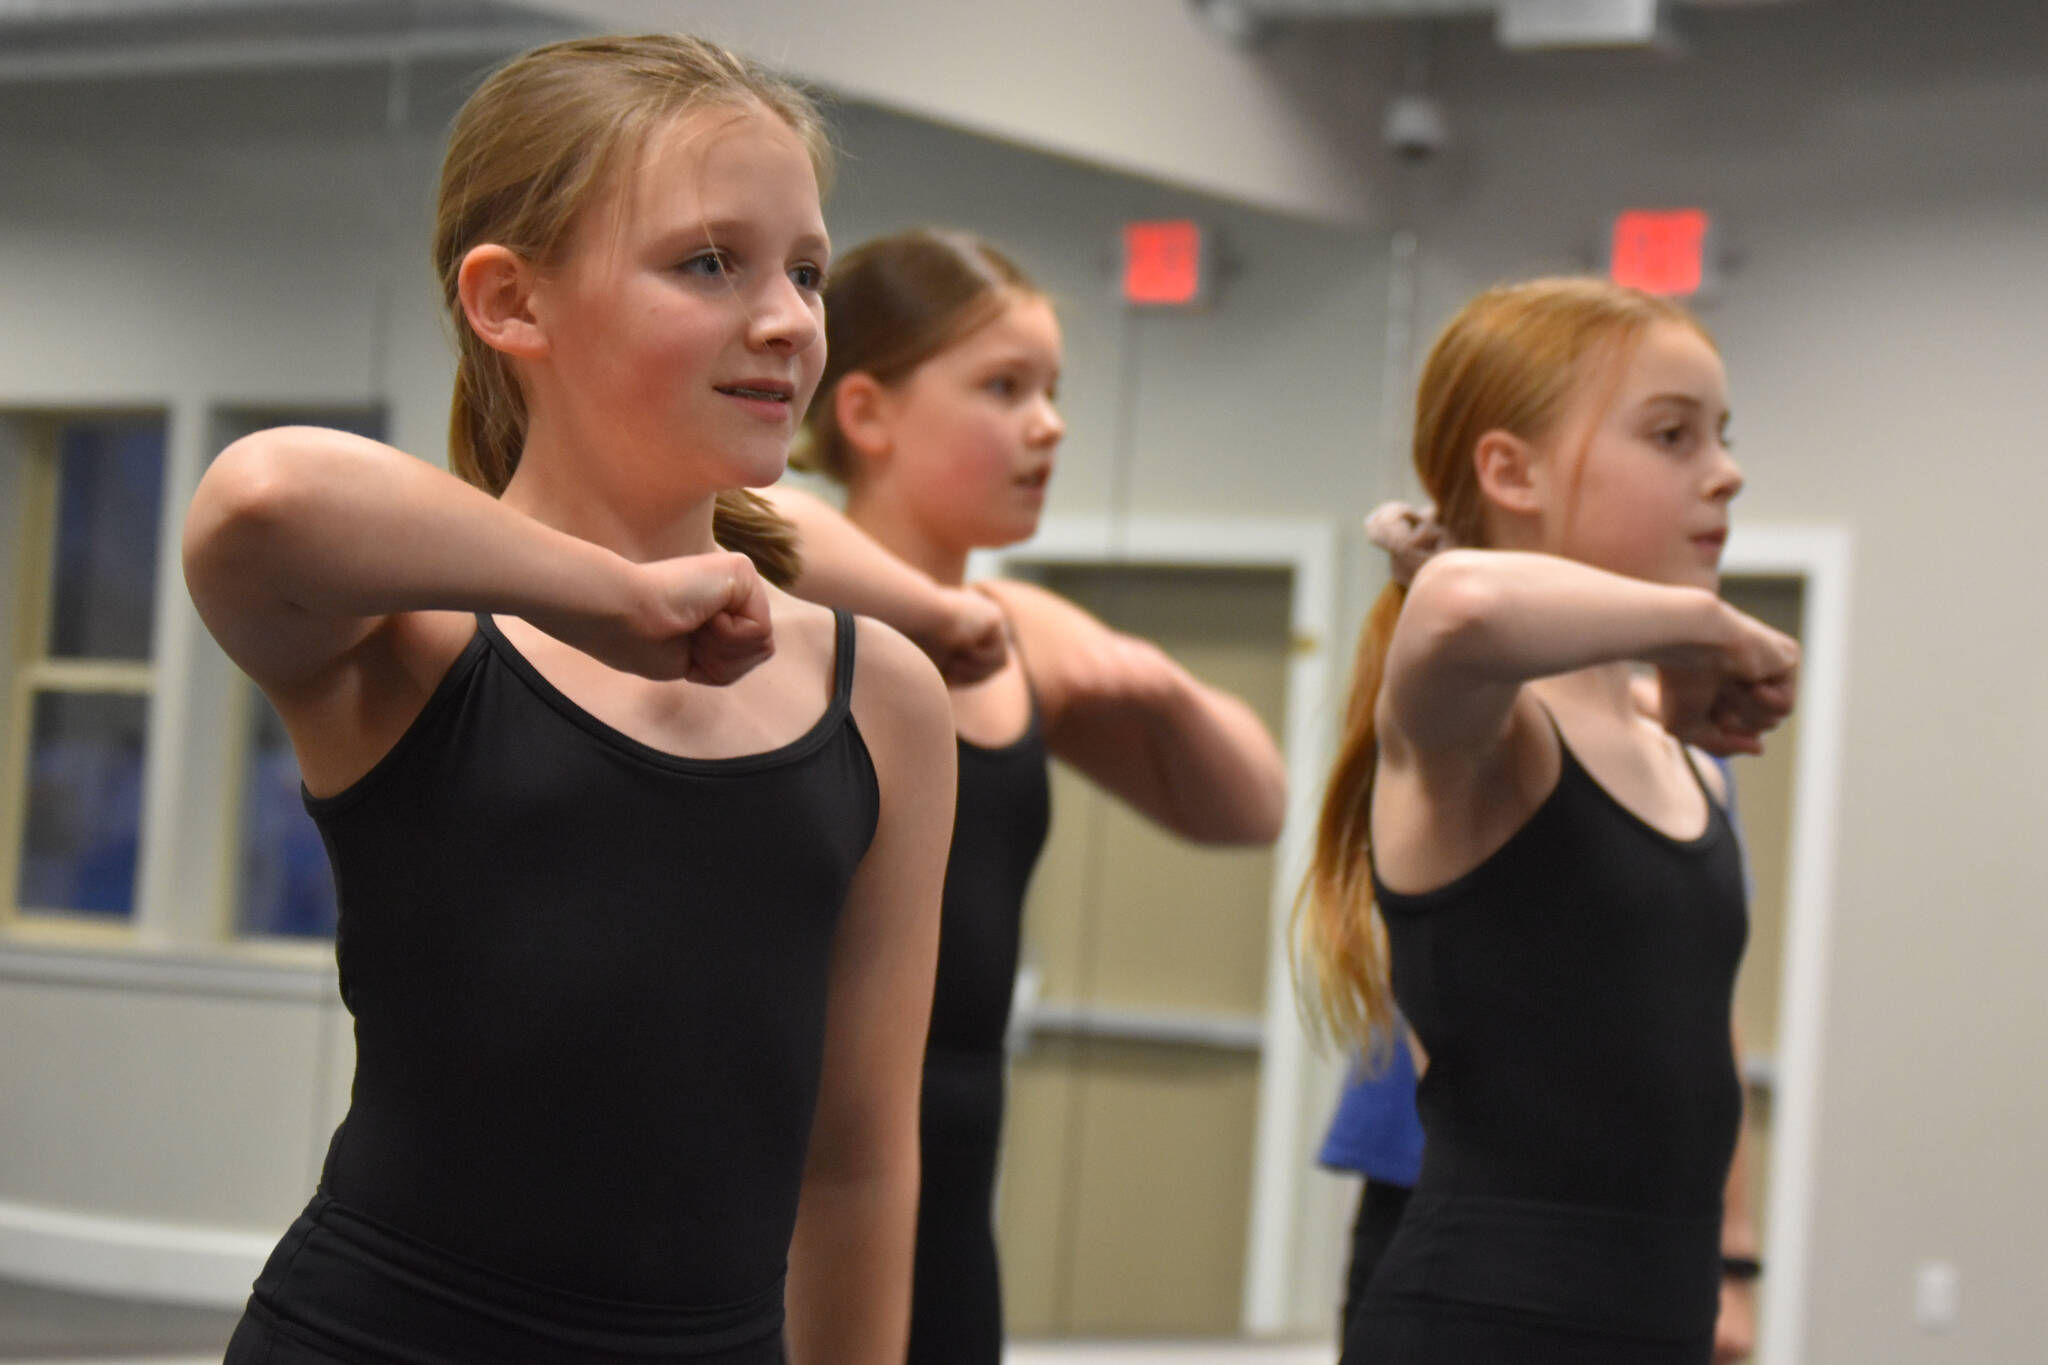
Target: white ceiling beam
[[1138, 86]]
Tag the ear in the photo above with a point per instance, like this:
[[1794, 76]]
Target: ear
[[1507, 468], [495, 286], [865, 409]]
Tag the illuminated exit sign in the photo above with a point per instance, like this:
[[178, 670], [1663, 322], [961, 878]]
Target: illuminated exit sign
[[1662, 251], [1165, 264]]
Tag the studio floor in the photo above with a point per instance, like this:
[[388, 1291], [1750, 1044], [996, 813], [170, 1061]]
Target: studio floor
[[41, 1326]]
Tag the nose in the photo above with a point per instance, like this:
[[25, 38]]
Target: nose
[[1047, 426], [784, 319], [1727, 478]]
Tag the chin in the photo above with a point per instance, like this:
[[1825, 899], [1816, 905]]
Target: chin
[[759, 473], [1006, 533]]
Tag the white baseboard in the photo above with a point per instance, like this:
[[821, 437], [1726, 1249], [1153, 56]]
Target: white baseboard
[[130, 1257]]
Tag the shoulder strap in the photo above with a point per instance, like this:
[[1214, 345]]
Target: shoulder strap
[[1728, 778], [842, 656]]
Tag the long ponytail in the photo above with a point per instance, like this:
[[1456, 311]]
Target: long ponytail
[[1336, 931]]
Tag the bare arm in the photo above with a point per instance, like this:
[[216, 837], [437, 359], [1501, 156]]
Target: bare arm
[[850, 1260], [843, 566], [302, 542], [1479, 623], [1194, 758]]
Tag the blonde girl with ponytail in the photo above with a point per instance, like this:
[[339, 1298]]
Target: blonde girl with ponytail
[[638, 857], [1538, 873]]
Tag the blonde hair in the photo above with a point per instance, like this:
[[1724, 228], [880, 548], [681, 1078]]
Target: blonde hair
[[890, 305], [1509, 361], [539, 142]]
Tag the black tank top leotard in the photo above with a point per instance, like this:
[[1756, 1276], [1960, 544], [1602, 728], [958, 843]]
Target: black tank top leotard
[[1581, 1101], [999, 828], [588, 981]]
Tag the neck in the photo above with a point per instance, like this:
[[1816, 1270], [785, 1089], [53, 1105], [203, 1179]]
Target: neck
[[895, 530], [586, 500], [1604, 687]]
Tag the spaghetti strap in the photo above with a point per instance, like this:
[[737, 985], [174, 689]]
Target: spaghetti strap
[[1569, 763], [842, 658], [1713, 802]]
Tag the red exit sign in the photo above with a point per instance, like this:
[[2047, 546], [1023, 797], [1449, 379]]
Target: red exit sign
[[1661, 251], [1165, 264]]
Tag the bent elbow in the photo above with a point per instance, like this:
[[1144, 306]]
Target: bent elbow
[[1456, 605], [245, 494], [1266, 811], [1272, 813]]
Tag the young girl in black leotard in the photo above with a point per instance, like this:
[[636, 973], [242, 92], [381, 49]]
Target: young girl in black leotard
[[1558, 891], [639, 859], [937, 413]]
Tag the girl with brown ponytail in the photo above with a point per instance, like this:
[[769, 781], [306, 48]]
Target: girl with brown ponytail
[[1540, 874], [938, 414], [639, 858]]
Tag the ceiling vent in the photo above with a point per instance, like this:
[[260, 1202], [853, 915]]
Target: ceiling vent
[[1520, 25]]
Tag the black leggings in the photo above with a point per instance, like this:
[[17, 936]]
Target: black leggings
[[1379, 1213], [956, 1298]]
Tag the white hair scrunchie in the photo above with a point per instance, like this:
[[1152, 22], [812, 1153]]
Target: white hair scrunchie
[[1409, 535]]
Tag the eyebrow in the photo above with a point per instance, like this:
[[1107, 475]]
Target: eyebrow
[[1683, 400], [1019, 357], [742, 228]]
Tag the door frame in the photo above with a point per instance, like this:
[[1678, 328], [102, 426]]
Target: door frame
[[1822, 556], [1289, 1068]]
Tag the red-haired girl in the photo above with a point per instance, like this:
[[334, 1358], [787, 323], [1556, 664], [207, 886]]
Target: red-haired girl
[[1541, 874]]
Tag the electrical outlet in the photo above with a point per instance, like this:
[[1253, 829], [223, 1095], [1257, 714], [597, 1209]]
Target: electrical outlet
[[1936, 1290]]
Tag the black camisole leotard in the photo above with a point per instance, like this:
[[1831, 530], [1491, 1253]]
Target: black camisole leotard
[[1581, 1101], [999, 828], [588, 980]]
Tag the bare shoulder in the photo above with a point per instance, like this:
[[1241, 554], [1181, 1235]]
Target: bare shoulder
[[1052, 634], [885, 662], [898, 694]]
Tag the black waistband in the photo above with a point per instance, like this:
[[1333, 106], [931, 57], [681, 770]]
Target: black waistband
[[364, 1291], [1602, 1270]]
